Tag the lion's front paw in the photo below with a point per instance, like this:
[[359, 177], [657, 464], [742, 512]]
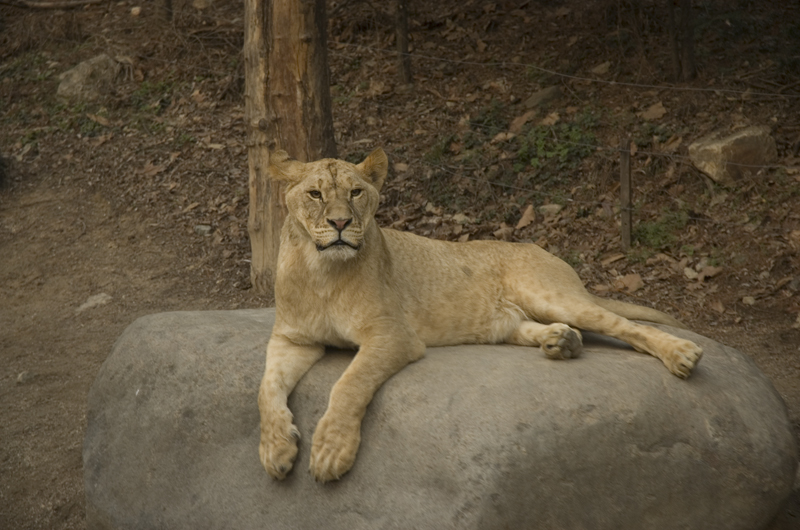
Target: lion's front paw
[[561, 342], [682, 358], [278, 447], [333, 448]]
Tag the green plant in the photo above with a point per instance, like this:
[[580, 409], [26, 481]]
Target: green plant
[[661, 232], [151, 95], [437, 152], [563, 145], [490, 119]]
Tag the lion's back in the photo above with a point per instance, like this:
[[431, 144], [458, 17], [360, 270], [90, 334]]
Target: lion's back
[[453, 292]]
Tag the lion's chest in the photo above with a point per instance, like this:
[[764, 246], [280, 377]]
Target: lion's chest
[[319, 314]]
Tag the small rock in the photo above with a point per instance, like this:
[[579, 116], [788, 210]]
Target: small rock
[[727, 159], [89, 79], [550, 209], [203, 230], [24, 377], [543, 96], [94, 301], [136, 11], [748, 300], [690, 273]]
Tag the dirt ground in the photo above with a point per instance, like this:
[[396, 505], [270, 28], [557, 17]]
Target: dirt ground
[[137, 203]]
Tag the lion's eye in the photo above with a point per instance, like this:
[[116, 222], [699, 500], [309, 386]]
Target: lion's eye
[[355, 193], [315, 194]]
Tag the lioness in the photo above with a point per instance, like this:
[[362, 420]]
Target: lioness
[[343, 281]]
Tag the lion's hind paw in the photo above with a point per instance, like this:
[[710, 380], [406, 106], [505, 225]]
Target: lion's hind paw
[[682, 359], [562, 342]]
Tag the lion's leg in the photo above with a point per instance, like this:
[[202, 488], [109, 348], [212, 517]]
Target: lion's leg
[[558, 341], [678, 355], [287, 362], [338, 434]]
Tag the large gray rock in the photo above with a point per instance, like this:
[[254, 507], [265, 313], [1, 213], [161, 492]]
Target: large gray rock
[[726, 159], [482, 437]]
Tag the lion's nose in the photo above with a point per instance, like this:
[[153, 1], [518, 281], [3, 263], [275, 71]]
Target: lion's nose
[[339, 224]]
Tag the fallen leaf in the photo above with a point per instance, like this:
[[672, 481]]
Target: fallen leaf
[[601, 69], [631, 282], [748, 300], [519, 122], [708, 272], [550, 119], [794, 238], [690, 273], [653, 112], [504, 232], [151, 170], [717, 306], [99, 119], [464, 238], [480, 45], [528, 216], [100, 140], [191, 207], [401, 167], [611, 259], [502, 137], [673, 143], [460, 218]]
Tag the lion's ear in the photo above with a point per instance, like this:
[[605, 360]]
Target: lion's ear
[[285, 168], [374, 167]]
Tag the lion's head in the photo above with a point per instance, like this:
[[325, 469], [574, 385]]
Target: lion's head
[[332, 200]]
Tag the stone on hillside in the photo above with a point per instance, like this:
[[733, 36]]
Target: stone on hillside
[[89, 80], [543, 96], [470, 437], [726, 159]]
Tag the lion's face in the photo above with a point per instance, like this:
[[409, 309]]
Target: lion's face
[[333, 200]]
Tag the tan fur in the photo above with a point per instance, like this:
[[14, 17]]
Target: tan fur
[[391, 294]]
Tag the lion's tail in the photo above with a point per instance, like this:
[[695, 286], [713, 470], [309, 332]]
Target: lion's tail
[[637, 312]]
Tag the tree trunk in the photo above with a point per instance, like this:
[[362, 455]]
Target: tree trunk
[[687, 63], [401, 36], [287, 106], [673, 41]]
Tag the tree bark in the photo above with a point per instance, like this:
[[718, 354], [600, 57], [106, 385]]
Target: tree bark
[[401, 36], [687, 63], [287, 106]]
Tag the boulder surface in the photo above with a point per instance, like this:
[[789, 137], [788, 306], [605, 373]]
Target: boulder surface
[[470, 437], [726, 159]]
